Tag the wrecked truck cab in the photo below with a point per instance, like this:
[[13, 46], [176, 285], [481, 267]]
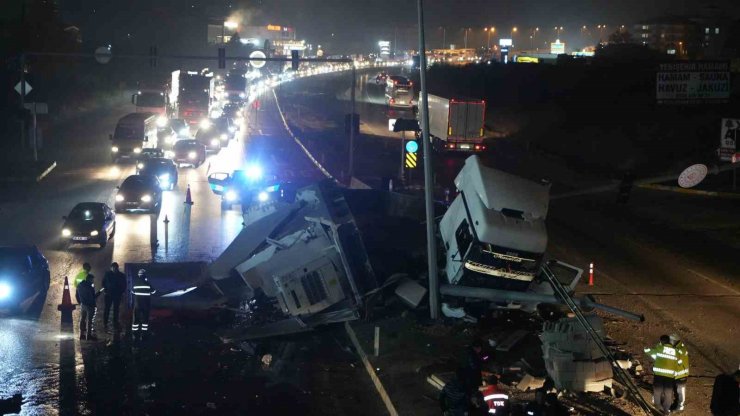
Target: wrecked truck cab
[[494, 231]]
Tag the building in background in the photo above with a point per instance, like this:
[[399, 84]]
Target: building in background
[[684, 37]]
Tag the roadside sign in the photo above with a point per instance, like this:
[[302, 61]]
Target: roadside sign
[[260, 55], [102, 54], [37, 108], [728, 139], [391, 123], [693, 82], [692, 176], [410, 160], [19, 90]]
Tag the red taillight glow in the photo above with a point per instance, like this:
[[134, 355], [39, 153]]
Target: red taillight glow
[[478, 147], [450, 146], [393, 100]]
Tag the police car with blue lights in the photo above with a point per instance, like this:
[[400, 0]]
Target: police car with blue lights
[[244, 187]]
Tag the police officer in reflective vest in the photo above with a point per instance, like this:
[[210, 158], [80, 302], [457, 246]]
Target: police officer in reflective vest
[[143, 292], [665, 366], [682, 371]]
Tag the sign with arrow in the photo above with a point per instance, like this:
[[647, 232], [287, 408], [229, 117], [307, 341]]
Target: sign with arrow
[[18, 88]]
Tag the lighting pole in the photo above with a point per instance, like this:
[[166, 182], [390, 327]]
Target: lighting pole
[[534, 37], [513, 30], [444, 37], [428, 182], [467, 29], [490, 31]]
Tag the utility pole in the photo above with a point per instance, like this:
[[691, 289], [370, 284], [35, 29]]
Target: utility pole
[[23, 100], [428, 185], [352, 125]]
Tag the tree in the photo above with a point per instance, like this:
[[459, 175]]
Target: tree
[[620, 37]]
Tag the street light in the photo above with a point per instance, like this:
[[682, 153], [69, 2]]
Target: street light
[[230, 24], [489, 31], [513, 30]]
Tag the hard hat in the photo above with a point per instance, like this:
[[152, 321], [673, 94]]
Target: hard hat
[[142, 272], [674, 338]]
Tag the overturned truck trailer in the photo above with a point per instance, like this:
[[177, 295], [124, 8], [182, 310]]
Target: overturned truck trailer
[[316, 260]]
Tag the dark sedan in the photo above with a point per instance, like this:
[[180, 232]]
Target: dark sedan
[[139, 193], [211, 137], [164, 169], [189, 152], [89, 223], [24, 276]]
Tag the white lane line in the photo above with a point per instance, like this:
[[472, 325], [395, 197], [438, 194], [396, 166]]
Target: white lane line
[[718, 283]]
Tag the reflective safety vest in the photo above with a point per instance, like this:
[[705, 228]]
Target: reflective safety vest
[[666, 360], [81, 276], [498, 403], [682, 370], [142, 291]]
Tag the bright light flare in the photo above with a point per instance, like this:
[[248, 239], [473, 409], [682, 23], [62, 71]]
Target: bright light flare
[[5, 290]]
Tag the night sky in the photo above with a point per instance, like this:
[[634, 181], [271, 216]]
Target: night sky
[[357, 25]]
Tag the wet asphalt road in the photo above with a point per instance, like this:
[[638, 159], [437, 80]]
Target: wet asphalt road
[[59, 374]]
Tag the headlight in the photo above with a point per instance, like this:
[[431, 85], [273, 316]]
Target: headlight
[[214, 142], [232, 129], [146, 198], [140, 165], [93, 233], [192, 155], [5, 290], [224, 136], [169, 154], [205, 124], [230, 196], [137, 149], [242, 95], [161, 121], [114, 149], [66, 232], [164, 177], [262, 196], [184, 132], [170, 139], [119, 198]]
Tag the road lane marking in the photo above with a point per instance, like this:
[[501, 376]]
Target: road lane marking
[[737, 292]]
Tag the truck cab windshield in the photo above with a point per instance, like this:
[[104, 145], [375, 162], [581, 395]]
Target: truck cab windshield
[[150, 99], [127, 133]]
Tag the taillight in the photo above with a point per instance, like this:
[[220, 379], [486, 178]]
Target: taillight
[[477, 147], [393, 100], [450, 146]]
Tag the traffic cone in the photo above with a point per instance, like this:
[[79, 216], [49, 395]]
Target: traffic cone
[[66, 307], [188, 197]]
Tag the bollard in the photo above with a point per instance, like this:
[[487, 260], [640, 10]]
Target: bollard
[[591, 274], [166, 232]]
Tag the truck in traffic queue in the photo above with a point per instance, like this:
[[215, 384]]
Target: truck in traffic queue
[[456, 124], [134, 132], [189, 96], [150, 100]]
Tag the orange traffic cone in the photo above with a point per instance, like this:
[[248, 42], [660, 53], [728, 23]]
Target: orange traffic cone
[[188, 198], [66, 307]]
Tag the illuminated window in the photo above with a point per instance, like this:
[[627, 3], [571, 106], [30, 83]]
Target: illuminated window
[[716, 31], [646, 27], [671, 51], [706, 30]]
